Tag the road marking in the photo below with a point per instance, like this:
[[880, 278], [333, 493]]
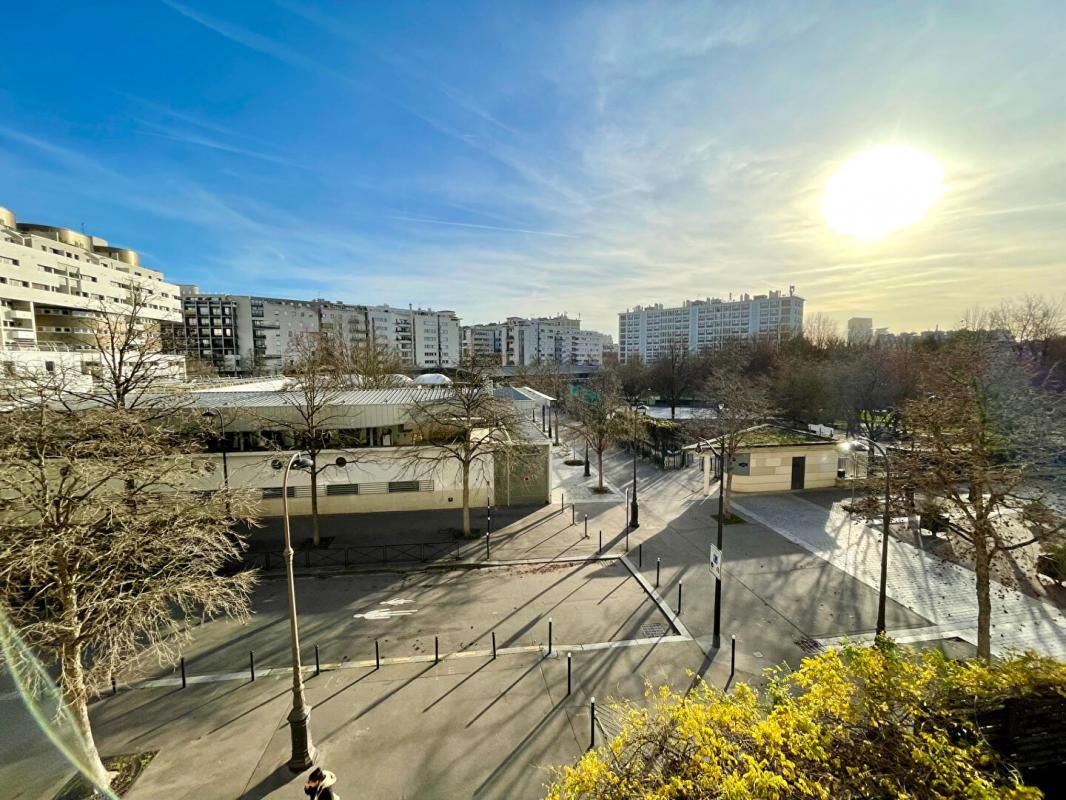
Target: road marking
[[384, 613], [399, 601]]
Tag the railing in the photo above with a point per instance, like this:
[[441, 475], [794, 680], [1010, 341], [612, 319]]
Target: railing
[[420, 552]]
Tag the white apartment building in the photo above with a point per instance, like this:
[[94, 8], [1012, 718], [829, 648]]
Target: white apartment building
[[252, 335], [648, 331], [53, 281], [521, 342], [423, 337]]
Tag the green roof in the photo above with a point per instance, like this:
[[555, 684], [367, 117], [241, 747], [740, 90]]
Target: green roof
[[772, 435]]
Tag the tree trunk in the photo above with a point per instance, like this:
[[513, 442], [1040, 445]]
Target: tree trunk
[[599, 467], [314, 500], [466, 499], [982, 569], [76, 695], [673, 408]]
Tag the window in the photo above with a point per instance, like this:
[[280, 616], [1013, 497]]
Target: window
[[49, 366], [403, 486]]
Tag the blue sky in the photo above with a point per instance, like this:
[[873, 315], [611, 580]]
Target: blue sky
[[526, 158]]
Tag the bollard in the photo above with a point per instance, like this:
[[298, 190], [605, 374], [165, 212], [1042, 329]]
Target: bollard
[[562, 502], [488, 552], [679, 598], [592, 718], [586, 526], [377, 655], [627, 538], [733, 655], [251, 663], [318, 664], [494, 644], [488, 519], [114, 687], [600, 550], [573, 514], [183, 672], [569, 672], [657, 565], [549, 635], [436, 650], [640, 555]]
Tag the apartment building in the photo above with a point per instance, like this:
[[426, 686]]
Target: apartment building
[[53, 282], [519, 341], [646, 332], [252, 335]]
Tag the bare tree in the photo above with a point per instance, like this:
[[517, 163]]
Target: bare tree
[[466, 425], [104, 551], [599, 418], [315, 384], [985, 444], [822, 332], [675, 373], [548, 377], [129, 346], [737, 402], [369, 364], [632, 376]]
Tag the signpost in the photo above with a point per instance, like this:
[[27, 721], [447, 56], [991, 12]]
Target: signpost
[[716, 562]]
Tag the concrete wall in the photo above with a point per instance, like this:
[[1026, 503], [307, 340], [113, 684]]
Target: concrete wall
[[371, 470], [769, 469]]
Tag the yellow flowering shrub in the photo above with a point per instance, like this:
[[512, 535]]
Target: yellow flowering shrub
[[859, 722]]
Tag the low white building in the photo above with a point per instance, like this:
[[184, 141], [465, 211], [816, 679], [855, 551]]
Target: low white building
[[524, 342], [372, 431], [776, 459]]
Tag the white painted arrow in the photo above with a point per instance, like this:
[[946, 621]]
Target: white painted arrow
[[384, 613], [399, 601]]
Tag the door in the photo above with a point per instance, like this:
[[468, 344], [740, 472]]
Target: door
[[799, 469]]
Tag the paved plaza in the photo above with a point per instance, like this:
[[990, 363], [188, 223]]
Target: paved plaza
[[797, 576]]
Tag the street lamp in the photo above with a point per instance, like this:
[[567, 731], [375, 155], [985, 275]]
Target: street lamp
[[587, 473], [717, 641], [634, 512], [303, 751], [882, 592], [213, 412]]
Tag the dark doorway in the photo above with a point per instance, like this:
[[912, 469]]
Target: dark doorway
[[799, 469]]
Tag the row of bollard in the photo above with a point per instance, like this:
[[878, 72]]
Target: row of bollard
[[377, 657]]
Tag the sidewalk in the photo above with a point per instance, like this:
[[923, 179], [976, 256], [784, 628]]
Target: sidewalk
[[939, 590]]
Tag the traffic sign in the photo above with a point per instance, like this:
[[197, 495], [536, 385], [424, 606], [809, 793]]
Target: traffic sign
[[716, 562]]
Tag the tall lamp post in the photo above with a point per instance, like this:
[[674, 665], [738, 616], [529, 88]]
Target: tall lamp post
[[720, 455], [216, 412], [882, 592], [634, 508], [303, 751]]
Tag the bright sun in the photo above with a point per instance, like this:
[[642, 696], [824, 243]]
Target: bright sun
[[880, 191]]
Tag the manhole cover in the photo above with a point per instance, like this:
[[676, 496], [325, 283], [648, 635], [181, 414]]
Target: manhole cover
[[652, 630], [809, 645]]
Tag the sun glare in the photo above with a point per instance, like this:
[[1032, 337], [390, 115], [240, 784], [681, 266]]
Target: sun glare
[[881, 191]]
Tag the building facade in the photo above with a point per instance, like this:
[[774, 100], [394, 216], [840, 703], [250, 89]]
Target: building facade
[[523, 342], [251, 335], [860, 330], [646, 332], [54, 281]]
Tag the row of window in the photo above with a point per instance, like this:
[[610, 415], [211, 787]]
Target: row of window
[[334, 489]]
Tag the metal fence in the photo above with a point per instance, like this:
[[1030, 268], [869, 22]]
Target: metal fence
[[415, 552]]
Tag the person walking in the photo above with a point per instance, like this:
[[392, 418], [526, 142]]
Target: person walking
[[320, 784]]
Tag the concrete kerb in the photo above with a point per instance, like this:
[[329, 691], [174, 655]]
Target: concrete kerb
[[422, 566], [279, 672], [656, 598], [681, 633]]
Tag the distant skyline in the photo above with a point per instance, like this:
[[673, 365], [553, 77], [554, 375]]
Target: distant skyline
[[525, 159]]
